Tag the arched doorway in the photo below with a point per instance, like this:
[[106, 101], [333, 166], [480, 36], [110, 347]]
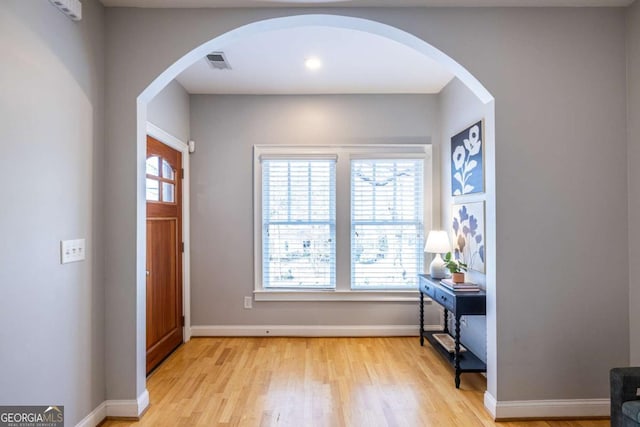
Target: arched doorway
[[364, 25]]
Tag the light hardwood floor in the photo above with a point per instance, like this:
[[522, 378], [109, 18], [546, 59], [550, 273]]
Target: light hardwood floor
[[315, 382]]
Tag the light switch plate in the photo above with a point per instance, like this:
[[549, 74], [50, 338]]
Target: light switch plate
[[72, 251]]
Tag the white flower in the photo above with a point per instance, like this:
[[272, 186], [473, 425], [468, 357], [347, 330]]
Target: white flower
[[473, 143], [458, 177], [458, 157]]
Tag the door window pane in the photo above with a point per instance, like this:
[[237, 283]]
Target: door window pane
[[168, 193], [167, 170], [153, 190], [152, 166]]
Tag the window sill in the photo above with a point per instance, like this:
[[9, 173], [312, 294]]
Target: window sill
[[333, 295]]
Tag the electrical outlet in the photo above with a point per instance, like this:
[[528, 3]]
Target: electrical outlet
[[72, 251], [248, 301]]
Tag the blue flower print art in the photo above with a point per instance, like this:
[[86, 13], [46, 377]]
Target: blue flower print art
[[467, 226], [467, 166]]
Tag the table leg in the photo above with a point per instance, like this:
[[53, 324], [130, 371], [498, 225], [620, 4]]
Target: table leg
[[446, 321], [457, 351], [421, 319]]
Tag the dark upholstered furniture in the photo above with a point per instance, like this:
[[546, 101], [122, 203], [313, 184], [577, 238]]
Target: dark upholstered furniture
[[625, 401]]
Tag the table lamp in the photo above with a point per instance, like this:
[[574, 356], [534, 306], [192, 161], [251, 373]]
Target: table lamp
[[437, 243]]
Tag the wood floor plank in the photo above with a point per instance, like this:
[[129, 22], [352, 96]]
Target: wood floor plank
[[332, 382]]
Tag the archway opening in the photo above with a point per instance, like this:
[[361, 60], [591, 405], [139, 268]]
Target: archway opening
[[341, 22]]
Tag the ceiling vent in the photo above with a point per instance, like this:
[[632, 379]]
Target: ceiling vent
[[71, 8], [218, 61]]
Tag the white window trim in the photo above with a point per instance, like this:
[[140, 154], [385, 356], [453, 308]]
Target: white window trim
[[343, 291]]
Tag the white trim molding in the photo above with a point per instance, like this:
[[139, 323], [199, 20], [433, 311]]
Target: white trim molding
[[490, 404], [183, 147], [544, 409], [166, 138], [143, 402], [128, 408], [95, 417], [117, 409], [337, 295], [309, 330]]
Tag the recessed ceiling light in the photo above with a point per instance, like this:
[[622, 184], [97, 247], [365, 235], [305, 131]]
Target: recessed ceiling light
[[313, 63]]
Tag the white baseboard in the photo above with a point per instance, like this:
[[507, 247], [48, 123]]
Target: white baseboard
[[490, 404], [560, 408], [116, 408], [95, 417], [143, 402], [308, 330]]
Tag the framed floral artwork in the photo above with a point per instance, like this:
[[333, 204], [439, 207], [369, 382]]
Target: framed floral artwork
[[468, 234], [467, 161]]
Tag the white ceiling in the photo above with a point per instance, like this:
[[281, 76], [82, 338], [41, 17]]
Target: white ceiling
[[363, 3], [353, 62]]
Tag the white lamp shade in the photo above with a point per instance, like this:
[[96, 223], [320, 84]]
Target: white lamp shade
[[437, 242]]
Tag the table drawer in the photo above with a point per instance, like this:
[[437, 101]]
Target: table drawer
[[445, 299], [427, 288]]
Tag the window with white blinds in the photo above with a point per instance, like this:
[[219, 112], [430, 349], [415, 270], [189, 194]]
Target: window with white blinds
[[343, 222], [298, 223], [387, 229]]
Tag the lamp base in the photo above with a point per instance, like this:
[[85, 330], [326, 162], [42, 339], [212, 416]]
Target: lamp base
[[437, 269]]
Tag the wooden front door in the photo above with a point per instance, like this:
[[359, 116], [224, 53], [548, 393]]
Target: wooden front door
[[164, 251]]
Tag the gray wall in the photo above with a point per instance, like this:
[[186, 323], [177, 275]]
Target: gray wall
[[459, 108], [560, 91], [633, 135], [226, 128], [52, 315], [169, 110], [561, 201]]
